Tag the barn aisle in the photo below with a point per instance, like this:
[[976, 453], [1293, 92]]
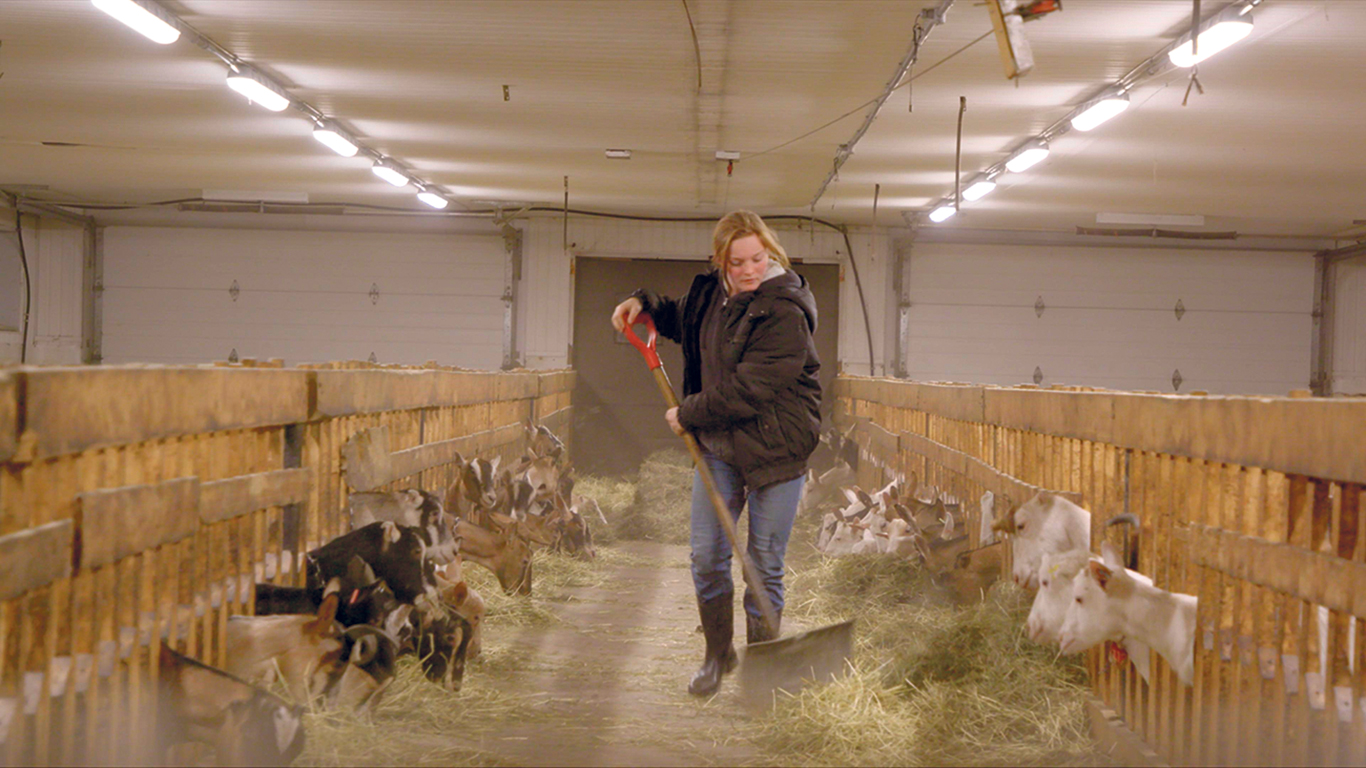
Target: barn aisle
[[606, 680]]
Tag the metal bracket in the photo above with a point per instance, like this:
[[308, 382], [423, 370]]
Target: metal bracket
[[234, 290], [1039, 307], [374, 293], [1180, 310], [1176, 380], [232, 356], [1038, 375]]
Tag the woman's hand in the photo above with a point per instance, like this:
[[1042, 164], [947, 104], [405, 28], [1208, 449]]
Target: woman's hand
[[671, 416], [625, 314]]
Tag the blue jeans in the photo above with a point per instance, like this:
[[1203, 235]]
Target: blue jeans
[[771, 512]]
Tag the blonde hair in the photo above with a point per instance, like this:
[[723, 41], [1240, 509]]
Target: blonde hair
[[737, 224]]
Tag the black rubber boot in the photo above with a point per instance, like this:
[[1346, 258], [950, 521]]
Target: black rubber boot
[[756, 629], [718, 627]]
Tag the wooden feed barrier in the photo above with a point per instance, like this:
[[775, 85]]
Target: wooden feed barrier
[[140, 504], [1253, 504]]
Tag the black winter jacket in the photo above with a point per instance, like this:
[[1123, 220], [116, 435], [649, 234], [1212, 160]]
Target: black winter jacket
[[769, 396]]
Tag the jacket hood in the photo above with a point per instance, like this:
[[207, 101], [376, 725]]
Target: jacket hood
[[794, 288]]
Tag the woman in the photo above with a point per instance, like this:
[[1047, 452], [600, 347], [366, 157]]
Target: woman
[[751, 396]]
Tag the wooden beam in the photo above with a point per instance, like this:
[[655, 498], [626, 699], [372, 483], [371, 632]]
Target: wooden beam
[[35, 557], [1115, 739], [70, 410], [118, 522], [1084, 415], [236, 496], [1336, 583]]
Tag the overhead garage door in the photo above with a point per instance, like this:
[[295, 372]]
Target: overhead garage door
[[196, 295]]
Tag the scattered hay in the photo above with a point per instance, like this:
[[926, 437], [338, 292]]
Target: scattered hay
[[663, 501], [616, 498], [417, 723], [930, 684]]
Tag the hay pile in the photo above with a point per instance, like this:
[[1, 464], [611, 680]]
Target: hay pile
[[616, 498], [661, 509], [930, 685]]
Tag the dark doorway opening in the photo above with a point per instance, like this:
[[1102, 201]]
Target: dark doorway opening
[[618, 411]]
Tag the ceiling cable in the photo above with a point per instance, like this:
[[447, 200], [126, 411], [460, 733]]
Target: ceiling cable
[[931, 18]]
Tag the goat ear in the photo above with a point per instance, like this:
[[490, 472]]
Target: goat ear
[[493, 465], [850, 494], [321, 626], [1100, 573], [457, 594], [1111, 557], [863, 497]]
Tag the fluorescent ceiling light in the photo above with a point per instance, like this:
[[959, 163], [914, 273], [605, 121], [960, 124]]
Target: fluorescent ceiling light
[[942, 213], [618, 154], [1100, 110], [433, 199], [1029, 156], [389, 174], [251, 84], [979, 190], [1213, 40], [329, 135], [149, 20], [723, 154]]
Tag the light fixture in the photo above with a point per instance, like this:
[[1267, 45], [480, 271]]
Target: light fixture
[[148, 19], [618, 154], [1028, 156], [383, 170], [1215, 38], [942, 213], [431, 198], [979, 189], [327, 133], [257, 88], [1100, 110]]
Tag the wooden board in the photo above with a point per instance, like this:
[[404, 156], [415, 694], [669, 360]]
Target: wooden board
[[342, 393], [119, 522], [1336, 583], [70, 410], [1291, 435], [35, 557], [366, 461], [225, 499], [1115, 739], [1084, 415], [553, 382]]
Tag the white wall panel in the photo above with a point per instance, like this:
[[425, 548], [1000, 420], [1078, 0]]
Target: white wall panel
[[304, 296], [1349, 328], [1109, 317], [55, 253], [545, 317]]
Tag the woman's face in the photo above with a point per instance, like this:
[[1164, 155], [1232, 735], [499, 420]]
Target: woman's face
[[746, 263]]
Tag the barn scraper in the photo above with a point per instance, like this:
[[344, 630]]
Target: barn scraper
[[787, 663]]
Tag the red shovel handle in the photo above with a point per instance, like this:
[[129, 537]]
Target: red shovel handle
[[646, 347]]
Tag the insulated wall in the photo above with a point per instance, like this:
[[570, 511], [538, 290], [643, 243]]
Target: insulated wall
[[193, 295], [55, 252], [1349, 327], [1123, 318]]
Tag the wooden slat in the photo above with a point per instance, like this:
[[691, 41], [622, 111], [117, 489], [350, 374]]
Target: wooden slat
[[1290, 435], [35, 557], [119, 522], [70, 410], [343, 393], [225, 499], [1334, 582]]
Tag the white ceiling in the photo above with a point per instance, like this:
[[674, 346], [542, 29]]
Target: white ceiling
[[1273, 146]]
